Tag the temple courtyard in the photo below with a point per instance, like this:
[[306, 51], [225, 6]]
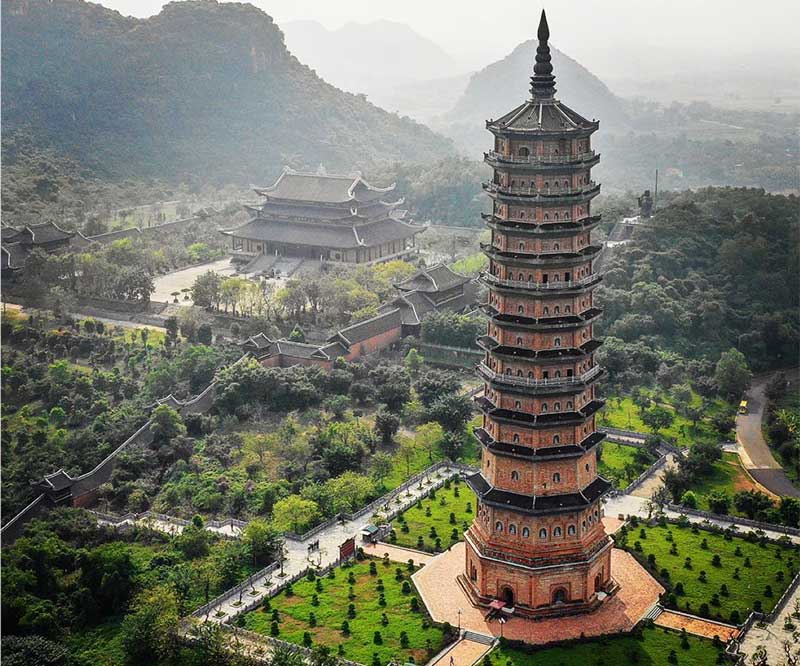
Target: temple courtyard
[[438, 587]]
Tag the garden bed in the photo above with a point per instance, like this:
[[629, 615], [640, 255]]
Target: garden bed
[[367, 612]]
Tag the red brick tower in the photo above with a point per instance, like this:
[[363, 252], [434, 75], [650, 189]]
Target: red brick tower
[[537, 542]]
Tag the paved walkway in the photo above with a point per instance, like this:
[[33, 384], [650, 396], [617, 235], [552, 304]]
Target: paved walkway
[[464, 652], [169, 525], [653, 482], [397, 553], [696, 625], [771, 634], [184, 278], [753, 449], [444, 597], [298, 558]]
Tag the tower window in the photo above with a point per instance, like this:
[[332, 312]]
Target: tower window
[[498, 526], [571, 530], [543, 533], [512, 529], [556, 439], [557, 532], [515, 439], [515, 475], [526, 532], [556, 478], [557, 342], [544, 407]]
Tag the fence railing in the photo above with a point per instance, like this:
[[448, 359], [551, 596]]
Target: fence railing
[[249, 583], [529, 381], [539, 159], [734, 520], [542, 286]]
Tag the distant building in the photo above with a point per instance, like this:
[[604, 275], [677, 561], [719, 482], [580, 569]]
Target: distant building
[[18, 242], [428, 290], [324, 218]]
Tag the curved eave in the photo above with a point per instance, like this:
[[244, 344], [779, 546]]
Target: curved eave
[[582, 161], [509, 450], [566, 354], [597, 278], [557, 229], [552, 198], [542, 323], [538, 504], [553, 259], [510, 131]]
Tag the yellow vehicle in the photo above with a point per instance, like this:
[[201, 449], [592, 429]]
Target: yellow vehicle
[[743, 407]]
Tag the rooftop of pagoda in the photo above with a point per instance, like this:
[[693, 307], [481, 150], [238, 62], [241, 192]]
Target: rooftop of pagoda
[[321, 188], [542, 112]]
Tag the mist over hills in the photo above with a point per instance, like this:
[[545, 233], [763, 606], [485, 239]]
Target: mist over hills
[[503, 85], [203, 90]]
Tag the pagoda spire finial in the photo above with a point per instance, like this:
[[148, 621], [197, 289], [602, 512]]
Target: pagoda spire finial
[[542, 80]]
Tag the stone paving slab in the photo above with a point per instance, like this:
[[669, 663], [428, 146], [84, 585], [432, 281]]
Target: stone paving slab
[[444, 597], [464, 652], [397, 554], [696, 625]]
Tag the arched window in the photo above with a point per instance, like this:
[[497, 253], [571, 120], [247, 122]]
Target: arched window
[[557, 532], [556, 439], [546, 310], [523, 151], [508, 371], [526, 532], [556, 405], [556, 478], [566, 183], [515, 475], [544, 407], [520, 309], [558, 372], [543, 533], [571, 530], [519, 340], [515, 439], [556, 342], [522, 246], [519, 373], [498, 526], [517, 404], [583, 525], [557, 309], [587, 467], [546, 216], [556, 246], [569, 404], [567, 309], [512, 529], [556, 217]]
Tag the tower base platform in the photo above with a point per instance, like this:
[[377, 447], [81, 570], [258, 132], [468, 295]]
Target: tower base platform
[[444, 596]]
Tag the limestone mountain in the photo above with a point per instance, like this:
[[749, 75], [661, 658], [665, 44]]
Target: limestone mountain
[[202, 91], [505, 84]]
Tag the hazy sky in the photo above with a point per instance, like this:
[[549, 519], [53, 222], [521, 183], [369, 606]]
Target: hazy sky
[[613, 38]]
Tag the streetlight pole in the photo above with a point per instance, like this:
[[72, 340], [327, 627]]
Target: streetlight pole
[[459, 621]]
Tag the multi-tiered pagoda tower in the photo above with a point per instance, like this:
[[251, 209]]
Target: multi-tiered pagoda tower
[[538, 543]]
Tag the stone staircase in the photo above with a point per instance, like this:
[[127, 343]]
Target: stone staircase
[[654, 612]]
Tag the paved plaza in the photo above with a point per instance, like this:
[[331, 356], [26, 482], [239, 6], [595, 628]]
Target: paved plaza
[[444, 597]]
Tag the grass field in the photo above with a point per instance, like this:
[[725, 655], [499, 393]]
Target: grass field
[[378, 608], [728, 476], [653, 648], [621, 412], [618, 464], [769, 565], [435, 514]]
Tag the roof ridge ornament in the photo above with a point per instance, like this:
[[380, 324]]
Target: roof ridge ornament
[[542, 81]]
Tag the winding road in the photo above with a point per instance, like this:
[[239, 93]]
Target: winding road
[[753, 449]]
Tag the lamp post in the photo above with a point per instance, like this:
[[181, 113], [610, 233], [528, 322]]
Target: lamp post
[[459, 621]]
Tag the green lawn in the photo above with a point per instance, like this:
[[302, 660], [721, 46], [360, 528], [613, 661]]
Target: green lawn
[[771, 565], [621, 412], [618, 463], [652, 649], [392, 618], [435, 514]]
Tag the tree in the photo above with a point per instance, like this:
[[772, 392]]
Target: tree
[[386, 425], [719, 501], [168, 441], [428, 435], [413, 362], [33, 651], [452, 411], [204, 334], [407, 450], [659, 499], [689, 499], [262, 540], [381, 467], [732, 374], [150, 630], [657, 418], [206, 290], [434, 384], [294, 513], [297, 334], [789, 509], [751, 502], [172, 326]]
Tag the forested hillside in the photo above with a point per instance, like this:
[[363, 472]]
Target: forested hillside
[[717, 269], [203, 90]]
